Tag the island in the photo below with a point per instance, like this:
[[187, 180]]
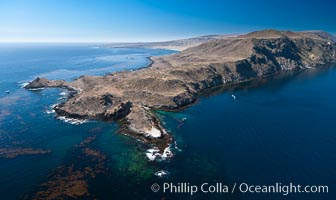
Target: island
[[178, 45], [175, 81]]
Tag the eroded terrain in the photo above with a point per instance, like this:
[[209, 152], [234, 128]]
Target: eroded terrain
[[173, 82]]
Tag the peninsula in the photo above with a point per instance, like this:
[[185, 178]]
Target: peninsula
[[174, 81]]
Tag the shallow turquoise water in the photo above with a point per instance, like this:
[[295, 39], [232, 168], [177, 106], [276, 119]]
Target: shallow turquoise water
[[24, 122], [282, 130]]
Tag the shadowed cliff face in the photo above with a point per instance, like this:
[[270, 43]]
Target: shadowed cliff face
[[174, 81]]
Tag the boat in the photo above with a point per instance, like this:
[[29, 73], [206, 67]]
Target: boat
[[234, 97], [7, 91]]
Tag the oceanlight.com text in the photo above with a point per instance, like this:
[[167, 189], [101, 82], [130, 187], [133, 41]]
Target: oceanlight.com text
[[211, 188]]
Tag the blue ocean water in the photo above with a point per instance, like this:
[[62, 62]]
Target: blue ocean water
[[24, 122], [280, 130]]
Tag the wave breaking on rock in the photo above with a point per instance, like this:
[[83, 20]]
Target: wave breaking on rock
[[174, 82]]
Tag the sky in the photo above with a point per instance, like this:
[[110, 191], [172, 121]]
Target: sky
[[155, 20]]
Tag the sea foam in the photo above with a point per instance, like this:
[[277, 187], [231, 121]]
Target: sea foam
[[154, 154], [72, 120]]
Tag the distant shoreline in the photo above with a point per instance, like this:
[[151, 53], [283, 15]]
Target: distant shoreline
[[175, 81]]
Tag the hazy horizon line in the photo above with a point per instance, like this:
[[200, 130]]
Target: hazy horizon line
[[130, 41]]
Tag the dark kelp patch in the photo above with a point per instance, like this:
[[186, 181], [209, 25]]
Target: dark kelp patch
[[71, 180]]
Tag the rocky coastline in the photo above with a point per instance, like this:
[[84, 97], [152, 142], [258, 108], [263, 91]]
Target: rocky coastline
[[173, 82]]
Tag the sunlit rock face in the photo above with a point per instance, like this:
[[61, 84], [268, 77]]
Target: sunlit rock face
[[174, 81]]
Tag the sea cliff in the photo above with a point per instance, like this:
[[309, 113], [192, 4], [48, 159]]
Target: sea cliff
[[173, 82]]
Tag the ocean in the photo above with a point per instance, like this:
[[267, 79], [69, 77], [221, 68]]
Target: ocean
[[279, 130]]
